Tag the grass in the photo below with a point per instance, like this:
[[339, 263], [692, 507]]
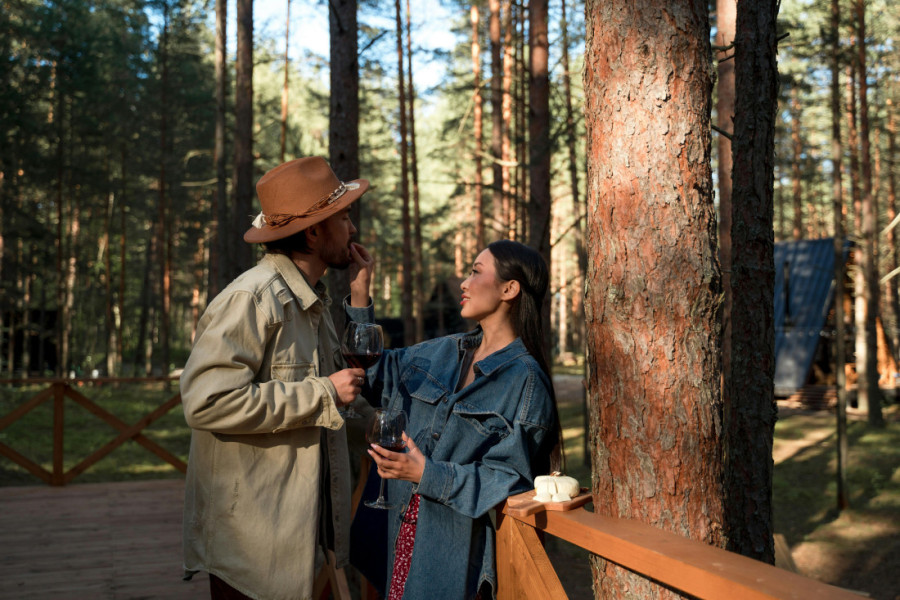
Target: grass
[[805, 483]]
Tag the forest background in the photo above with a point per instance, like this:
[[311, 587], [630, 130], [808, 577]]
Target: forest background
[[117, 229], [132, 133]]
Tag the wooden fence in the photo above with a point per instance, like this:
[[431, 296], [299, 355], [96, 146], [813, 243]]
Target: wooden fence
[[57, 391], [524, 570], [690, 567]]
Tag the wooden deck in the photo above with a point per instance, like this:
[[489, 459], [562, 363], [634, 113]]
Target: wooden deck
[[94, 541]]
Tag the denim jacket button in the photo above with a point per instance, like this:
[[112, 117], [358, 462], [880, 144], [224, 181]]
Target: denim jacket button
[[436, 435]]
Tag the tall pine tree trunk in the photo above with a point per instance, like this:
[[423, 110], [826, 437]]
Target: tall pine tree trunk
[[509, 204], [496, 121], [539, 209], [284, 87], [221, 224], [891, 295], [243, 140], [653, 311], [796, 157], [477, 116], [163, 216], [749, 415], [343, 124], [867, 387], [409, 332], [419, 266], [726, 16], [837, 192], [577, 206]]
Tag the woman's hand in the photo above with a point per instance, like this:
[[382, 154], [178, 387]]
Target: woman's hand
[[408, 465]]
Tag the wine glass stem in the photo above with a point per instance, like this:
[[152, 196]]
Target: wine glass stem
[[381, 492]]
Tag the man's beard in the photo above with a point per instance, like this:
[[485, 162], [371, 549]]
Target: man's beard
[[339, 260], [341, 266]]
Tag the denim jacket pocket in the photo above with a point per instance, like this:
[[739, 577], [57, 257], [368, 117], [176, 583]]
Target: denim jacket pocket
[[487, 423], [421, 386], [293, 372]]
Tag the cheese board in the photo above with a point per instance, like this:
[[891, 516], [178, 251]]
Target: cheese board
[[524, 504]]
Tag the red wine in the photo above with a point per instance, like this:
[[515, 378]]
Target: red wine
[[393, 447], [361, 361]]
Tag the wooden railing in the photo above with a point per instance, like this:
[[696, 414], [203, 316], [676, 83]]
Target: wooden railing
[[524, 571], [693, 568], [60, 389]]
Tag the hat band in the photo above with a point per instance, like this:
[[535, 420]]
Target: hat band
[[282, 219]]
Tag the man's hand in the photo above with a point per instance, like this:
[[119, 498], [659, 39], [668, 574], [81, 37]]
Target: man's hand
[[409, 465], [348, 383], [360, 275]]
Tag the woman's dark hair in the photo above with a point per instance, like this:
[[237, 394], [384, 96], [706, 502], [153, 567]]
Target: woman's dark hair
[[516, 261]]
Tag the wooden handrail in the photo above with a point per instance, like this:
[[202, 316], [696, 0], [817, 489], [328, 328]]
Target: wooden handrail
[[689, 566], [58, 391]]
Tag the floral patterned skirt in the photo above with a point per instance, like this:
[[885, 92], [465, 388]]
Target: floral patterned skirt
[[404, 549]]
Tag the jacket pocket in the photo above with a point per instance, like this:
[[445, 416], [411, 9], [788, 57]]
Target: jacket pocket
[[487, 423], [421, 386], [293, 372]]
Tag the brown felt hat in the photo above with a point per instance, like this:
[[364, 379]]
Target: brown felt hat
[[298, 194]]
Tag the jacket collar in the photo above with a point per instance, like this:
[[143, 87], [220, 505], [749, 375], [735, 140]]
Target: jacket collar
[[491, 363], [293, 276]]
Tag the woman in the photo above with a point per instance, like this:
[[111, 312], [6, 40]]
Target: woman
[[482, 425]]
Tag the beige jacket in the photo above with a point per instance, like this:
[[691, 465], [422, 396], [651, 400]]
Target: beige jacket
[[256, 394]]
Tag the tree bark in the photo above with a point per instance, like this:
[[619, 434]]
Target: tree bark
[[867, 386], [751, 411], [163, 215], [891, 295], [796, 157], [577, 207], [726, 16], [477, 115], [509, 204], [837, 192], [284, 87], [418, 263], [496, 122], [220, 227], [653, 314], [407, 275], [243, 140], [343, 125], [539, 209]]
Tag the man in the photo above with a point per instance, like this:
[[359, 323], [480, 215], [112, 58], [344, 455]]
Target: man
[[268, 475]]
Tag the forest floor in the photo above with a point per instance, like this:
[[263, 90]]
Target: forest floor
[[857, 549]]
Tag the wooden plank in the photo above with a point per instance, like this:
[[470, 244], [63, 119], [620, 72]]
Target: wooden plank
[[524, 504], [127, 433], [77, 542], [59, 425], [534, 571], [26, 463], [690, 566], [507, 584], [26, 407]]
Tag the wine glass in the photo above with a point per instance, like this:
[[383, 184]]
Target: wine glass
[[386, 429], [361, 346]]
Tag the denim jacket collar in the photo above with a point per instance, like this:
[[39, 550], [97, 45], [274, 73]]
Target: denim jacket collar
[[296, 280], [491, 363]]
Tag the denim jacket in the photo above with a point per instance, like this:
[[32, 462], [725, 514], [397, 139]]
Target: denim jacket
[[482, 444]]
